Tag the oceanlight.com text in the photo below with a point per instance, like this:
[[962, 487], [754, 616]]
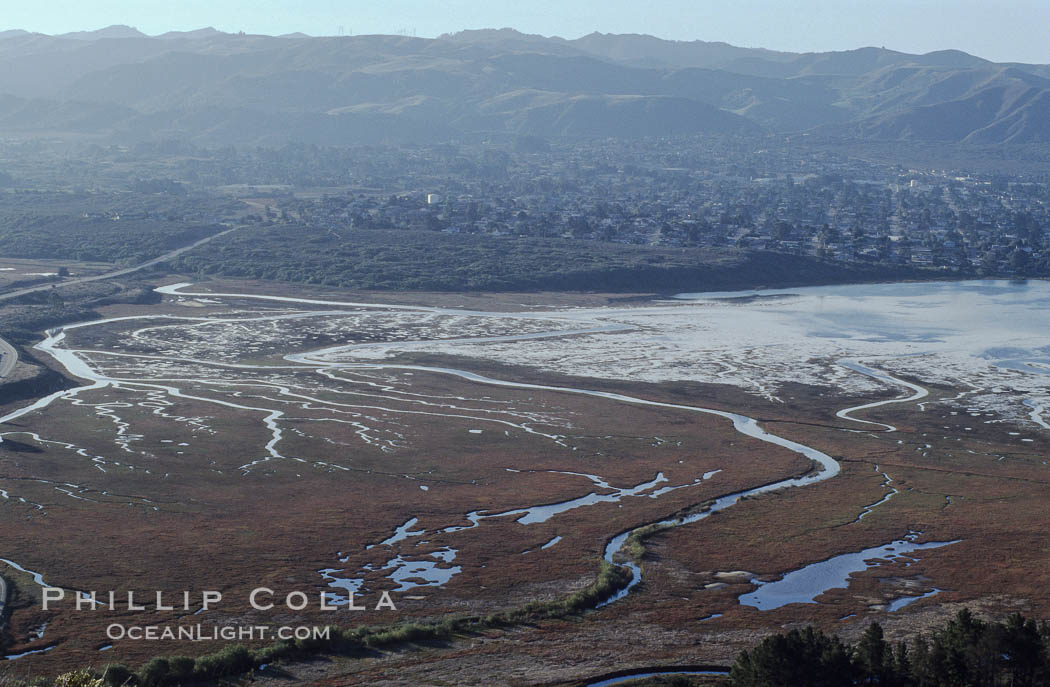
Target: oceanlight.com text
[[205, 633]]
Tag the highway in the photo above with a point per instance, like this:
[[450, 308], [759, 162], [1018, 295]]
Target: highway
[[8, 358], [116, 273]]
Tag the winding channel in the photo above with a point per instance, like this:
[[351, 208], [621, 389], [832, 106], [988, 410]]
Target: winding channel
[[918, 393], [826, 467]]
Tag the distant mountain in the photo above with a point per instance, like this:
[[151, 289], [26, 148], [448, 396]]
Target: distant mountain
[[650, 51], [119, 84], [849, 63], [21, 115], [991, 105], [115, 31], [633, 49], [541, 113], [207, 32]]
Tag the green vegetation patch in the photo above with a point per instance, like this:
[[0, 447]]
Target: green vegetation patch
[[101, 227], [419, 260]]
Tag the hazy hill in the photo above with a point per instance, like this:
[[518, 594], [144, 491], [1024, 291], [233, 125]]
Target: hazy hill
[[205, 85], [989, 104], [651, 51], [115, 31]]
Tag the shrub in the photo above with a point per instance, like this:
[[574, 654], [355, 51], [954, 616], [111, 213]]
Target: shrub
[[155, 673], [230, 661], [80, 678], [181, 667], [117, 675]]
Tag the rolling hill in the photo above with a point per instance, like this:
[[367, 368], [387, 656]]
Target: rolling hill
[[207, 86]]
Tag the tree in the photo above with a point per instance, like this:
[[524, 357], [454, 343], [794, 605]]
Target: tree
[[875, 657], [801, 658], [1023, 651], [957, 654], [966, 652], [902, 664]]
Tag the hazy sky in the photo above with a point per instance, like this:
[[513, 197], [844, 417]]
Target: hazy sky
[[1001, 30]]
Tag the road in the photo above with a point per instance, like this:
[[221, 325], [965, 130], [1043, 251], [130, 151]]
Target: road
[[3, 601], [116, 273], [8, 358]]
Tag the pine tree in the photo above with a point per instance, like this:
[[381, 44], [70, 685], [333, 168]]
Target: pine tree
[[874, 656], [902, 664]]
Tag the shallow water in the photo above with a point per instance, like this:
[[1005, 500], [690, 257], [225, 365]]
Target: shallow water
[[997, 319], [806, 584], [14, 657], [904, 601]]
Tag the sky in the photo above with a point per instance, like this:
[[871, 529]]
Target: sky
[[999, 30]]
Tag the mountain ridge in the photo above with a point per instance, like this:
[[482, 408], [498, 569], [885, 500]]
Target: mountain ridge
[[470, 82]]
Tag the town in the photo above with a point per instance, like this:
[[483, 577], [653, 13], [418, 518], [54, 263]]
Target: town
[[683, 193]]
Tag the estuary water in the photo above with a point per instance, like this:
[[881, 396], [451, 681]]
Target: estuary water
[[995, 319]]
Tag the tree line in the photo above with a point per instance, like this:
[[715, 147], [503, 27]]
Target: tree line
[[965, 652]]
